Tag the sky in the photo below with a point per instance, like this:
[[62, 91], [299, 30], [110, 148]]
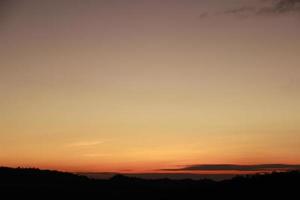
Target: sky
[[143, 86]]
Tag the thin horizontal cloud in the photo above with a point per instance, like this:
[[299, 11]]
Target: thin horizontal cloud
[[95, 155], [85, 143], [232, 167]]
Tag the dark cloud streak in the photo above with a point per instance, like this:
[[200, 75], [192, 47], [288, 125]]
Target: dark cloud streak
[[281, 7], [231, 167], [276, 7]]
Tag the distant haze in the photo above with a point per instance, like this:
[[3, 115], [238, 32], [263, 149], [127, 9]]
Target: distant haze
[[154, 176]]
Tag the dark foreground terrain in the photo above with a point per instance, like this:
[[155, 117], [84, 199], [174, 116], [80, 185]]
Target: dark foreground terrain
[[45, 184]]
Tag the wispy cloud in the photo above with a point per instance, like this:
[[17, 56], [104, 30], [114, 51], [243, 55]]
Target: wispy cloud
[[232, 167], [281, 7], [96, 155], [267, 7], [85, 143]]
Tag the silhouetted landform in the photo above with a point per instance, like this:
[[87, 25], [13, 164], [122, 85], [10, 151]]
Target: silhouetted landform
[[46, 184]]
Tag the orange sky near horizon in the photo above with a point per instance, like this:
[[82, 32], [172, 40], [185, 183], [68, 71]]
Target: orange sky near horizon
[[138, 86]]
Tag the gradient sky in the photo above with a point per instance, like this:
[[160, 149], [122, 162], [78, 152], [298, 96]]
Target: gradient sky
[[121, 85]]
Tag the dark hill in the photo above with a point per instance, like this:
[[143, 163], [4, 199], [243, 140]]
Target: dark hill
[[44, 184]]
